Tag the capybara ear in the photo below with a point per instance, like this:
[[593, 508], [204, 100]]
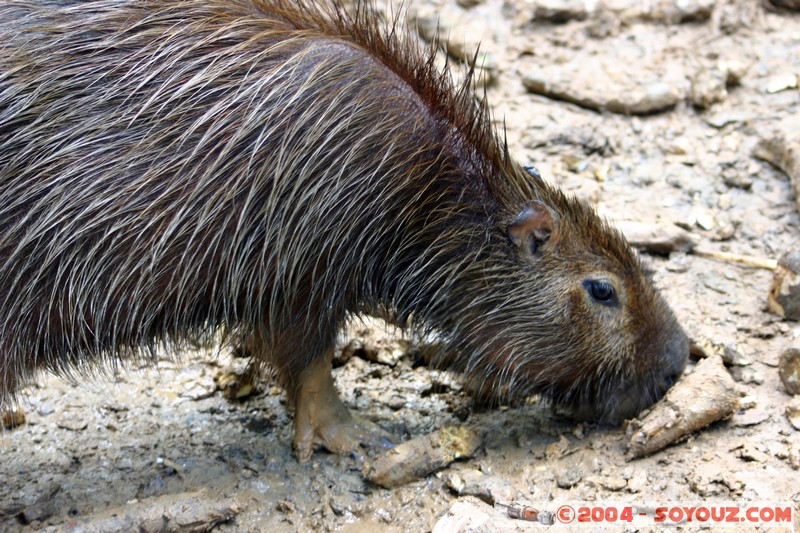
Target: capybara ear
[[536, 226]]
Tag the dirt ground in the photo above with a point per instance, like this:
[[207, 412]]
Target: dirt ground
[[653, 111]]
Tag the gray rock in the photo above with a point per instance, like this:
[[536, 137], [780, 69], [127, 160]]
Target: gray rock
[[784, 296], [789, 369], [489, 488], [673, 11], [720, 120], [473, 36], [708, 87], [788, 4], [793, 412], [782, 149], [567, 478], [560, 11], [630, 98], [660, 239]]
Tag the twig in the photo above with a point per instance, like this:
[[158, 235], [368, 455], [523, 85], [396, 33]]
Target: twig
[[746, 260]]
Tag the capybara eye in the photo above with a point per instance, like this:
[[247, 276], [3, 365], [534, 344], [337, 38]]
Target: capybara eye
[[602, 291]]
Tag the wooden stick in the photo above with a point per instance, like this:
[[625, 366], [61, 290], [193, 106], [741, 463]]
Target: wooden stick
[[746, 260], [706, 395]]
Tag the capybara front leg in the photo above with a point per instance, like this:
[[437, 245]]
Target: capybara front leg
[[321, 419]]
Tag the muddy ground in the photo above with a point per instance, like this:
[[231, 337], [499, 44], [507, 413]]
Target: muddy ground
[[651, 110]]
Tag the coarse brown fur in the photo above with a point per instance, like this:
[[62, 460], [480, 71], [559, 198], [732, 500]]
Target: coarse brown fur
[[171, 167]]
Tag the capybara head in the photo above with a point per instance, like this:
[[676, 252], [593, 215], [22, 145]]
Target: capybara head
[[566, 309]]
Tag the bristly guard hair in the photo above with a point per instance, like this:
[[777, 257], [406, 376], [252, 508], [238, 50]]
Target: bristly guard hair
[[139, 142], [172, 167]]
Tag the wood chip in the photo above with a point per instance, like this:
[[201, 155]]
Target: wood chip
[[184, 512], [706, 395], [419, 457]]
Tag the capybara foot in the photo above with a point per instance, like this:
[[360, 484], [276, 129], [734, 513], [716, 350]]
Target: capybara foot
[[321, 419], [342, 432]]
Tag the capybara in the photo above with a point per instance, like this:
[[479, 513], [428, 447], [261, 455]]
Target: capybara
[[172, 168]]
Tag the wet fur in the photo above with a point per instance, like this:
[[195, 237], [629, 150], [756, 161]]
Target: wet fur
[[168, 168]]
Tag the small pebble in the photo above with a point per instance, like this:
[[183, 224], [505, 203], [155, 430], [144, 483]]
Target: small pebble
[[715, 484], [638, 482], [560, 11], [704, 220], [736, 179], [781, 82], [788, 4], [45, 409], [489, 488], [722, 119], [750, 418], [747, 376], [784, 296], [732, 354], [467, 514], [734, 69], [789, 369], [749, 453], [793, 412], [747, 402], [568, 478], [614, 484], [782, 149], [708, 87], [793, 456]]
